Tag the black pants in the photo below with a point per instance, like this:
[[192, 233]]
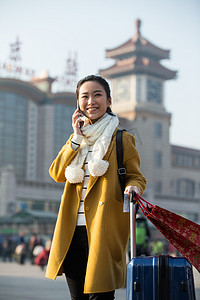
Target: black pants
[[75, 267]]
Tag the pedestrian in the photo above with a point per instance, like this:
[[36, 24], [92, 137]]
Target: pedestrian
[[20, 252], [32, 244], [42, 258], [157, 247], [142, 235], [92, 231], [21, 249], [7, 249]]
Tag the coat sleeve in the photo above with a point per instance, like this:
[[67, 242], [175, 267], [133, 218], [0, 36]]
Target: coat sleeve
[[131, 162], [64, 158]]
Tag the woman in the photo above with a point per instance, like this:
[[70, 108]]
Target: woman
[[92, 231]]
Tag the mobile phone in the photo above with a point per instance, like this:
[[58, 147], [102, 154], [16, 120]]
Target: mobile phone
[[80, 123]]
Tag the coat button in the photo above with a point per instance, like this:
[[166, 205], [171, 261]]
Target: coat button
[[101, 203], [87, 208]]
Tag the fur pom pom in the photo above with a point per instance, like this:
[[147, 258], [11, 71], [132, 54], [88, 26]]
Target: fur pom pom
[[98, 168], [74, 174]]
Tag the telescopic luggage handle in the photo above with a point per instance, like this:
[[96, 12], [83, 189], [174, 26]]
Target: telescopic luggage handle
[[132, 225]]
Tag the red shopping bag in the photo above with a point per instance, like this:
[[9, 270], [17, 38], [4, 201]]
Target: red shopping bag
[[181, 232]]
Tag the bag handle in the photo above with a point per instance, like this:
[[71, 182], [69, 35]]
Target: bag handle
[[121, 168], [144, 208]]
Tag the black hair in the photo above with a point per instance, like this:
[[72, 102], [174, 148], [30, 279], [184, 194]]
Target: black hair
[[101, 81], [97, 78]]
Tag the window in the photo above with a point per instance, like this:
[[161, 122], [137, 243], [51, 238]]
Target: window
[[154, 91], [158, 158], [185, 187], [38, 205], [13, 120], [158, 187], [158, 130]]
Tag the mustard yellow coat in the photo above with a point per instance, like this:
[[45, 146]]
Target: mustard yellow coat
[[107, 225]]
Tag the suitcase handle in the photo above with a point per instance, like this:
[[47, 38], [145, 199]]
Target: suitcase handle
[[132, 225]]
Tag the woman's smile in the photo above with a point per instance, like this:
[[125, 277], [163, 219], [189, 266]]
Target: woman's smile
[[91, 109]]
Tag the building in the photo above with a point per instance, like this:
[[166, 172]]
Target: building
[[137, 79], [34, 124]]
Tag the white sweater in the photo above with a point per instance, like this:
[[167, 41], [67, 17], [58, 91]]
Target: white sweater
[[75, 143]]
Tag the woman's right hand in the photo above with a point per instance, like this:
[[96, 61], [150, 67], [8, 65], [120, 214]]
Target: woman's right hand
[[76, 121]]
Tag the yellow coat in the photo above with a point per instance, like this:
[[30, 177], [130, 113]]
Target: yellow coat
[[107, 225]]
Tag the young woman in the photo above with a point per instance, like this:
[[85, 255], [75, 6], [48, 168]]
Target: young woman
[[92, 231]]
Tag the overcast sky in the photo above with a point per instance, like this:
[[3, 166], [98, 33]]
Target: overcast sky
[[51, 29]]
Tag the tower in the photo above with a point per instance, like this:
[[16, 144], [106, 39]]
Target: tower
[[137, 79]]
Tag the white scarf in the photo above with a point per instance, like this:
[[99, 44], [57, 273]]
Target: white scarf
[[98, 134]]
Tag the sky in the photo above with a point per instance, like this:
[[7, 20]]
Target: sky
[[51, 30]]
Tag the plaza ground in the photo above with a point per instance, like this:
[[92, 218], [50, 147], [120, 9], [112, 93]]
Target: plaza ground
[[27, 282]]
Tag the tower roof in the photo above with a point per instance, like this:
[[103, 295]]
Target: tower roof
[[137, 45], [138, 55], [139, 65]]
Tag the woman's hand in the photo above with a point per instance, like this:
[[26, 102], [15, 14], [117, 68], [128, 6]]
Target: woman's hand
[[76, 121], [131, 188]]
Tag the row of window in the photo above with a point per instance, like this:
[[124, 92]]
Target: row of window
[[178, 160], [39, 205], [39, 184], [186, 160], [7, 136], [183, 187]]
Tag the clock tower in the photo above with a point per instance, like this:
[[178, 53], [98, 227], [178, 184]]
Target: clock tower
[[137, 77], [137, 80]]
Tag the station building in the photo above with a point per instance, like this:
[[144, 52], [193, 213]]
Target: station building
[[35, 123]]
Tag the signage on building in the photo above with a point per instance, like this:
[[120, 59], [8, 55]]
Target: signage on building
[[13, 67]]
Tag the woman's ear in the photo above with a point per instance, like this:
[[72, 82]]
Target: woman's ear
[[109, 101]]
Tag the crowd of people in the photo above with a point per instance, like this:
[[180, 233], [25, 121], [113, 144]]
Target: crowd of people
[[22, 248], [35, 250]]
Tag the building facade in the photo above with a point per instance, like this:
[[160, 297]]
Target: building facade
[[138, 80], [34, 124]]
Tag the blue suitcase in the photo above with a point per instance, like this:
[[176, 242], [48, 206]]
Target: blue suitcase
[[157, 278]]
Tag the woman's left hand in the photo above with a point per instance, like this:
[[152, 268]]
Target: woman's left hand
[[131, 188]]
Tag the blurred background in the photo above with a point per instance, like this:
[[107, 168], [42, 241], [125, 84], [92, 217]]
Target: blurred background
[[149, 53]]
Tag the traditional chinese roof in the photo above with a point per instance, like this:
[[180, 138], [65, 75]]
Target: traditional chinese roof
[[139, 65], [138, 55], [137, 45]]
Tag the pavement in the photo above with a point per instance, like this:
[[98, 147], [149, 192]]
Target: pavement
[[27, 282]]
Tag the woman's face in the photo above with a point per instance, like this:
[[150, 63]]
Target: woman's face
[[93, 100]]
